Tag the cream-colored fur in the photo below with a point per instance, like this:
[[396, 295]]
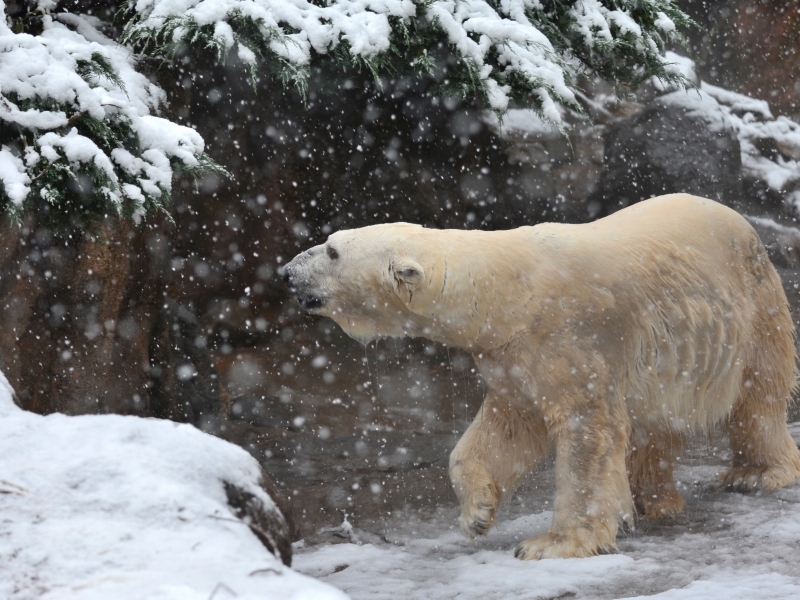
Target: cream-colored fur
[[609, 342]]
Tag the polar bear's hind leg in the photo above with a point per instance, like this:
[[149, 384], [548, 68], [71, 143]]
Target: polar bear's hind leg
[[650, 462], [764, 454]]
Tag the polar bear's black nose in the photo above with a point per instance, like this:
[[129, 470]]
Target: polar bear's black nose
[[287, 271], [305, 293]]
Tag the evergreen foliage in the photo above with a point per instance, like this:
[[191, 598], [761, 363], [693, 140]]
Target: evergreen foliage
[[495, 53], [78, 140]]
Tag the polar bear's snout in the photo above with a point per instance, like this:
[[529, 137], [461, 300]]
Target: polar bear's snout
[[301, 283]]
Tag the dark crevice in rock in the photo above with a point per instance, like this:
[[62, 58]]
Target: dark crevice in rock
[[268, 524]]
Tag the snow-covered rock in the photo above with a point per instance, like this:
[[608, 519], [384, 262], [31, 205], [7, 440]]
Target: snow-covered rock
[[100, 507], [681, 142], [707, 140], [770, 146], [680, 65]]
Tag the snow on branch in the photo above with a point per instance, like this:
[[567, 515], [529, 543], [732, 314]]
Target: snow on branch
[[78, 138], [524, 51]]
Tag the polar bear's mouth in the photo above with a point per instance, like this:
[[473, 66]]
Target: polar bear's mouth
[[309, 301]]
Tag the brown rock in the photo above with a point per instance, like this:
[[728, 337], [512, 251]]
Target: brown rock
[[753, 46]]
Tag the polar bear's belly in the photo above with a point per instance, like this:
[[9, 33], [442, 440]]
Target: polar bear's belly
[[687, 366]]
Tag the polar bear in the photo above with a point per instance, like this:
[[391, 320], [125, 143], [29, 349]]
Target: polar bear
[[609, 342]]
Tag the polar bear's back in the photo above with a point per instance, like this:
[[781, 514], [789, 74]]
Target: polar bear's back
[[678, 240], [675, 220]]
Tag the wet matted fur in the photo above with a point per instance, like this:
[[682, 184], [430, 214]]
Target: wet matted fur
[[609, 342]]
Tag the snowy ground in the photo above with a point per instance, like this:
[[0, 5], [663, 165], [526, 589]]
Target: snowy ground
[[726, 546], [113, 507], [119, 508]]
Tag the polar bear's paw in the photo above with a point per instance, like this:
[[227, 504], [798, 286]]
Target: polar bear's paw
[[552, 545], [751, 478], [666, 503], [477, 519]]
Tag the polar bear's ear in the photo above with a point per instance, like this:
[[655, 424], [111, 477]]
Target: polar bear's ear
[[407, 271]]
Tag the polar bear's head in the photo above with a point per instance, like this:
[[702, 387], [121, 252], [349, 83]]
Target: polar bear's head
[[364, 279]]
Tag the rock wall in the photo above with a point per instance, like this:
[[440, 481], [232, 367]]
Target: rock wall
[[751, 46]]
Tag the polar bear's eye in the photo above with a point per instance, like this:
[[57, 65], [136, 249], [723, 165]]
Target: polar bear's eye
[[332, 253]]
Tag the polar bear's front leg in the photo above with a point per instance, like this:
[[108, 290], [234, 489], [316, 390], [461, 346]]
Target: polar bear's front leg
[[502, 445], [592, 490]]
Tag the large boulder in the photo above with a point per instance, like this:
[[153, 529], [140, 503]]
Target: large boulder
[[112, 506], [682, 142]]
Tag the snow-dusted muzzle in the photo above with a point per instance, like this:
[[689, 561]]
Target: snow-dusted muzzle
[[301, 283]]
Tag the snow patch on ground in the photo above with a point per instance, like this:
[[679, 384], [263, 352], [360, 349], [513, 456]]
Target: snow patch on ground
[[109, 506]]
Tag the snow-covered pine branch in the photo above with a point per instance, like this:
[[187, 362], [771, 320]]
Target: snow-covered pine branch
[[79, 139], [528, 52]]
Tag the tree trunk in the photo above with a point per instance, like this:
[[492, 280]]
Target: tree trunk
[[87, 327]]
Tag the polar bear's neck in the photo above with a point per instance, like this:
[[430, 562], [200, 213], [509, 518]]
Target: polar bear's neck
[[478, 285]]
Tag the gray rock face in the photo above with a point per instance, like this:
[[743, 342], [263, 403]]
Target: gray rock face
[[269, 525], [682, 142], [782, 242]]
